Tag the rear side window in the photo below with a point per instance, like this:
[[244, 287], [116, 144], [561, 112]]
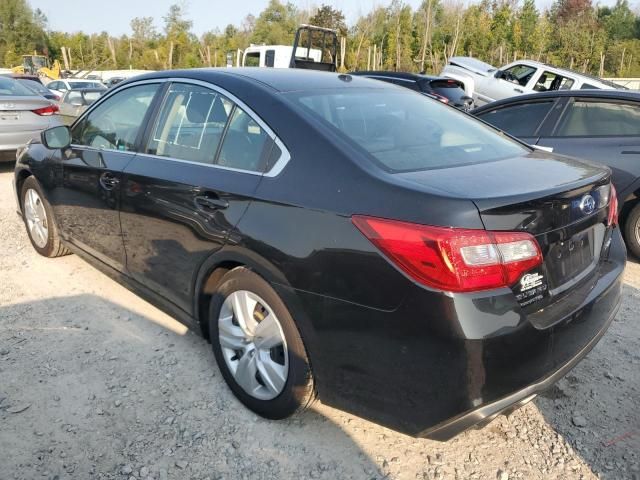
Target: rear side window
[[520, 120], [11, 88], [190, 124], [551, 81], [403, 132], [586, 86], [116, 122], [245, 144], [591, 118]]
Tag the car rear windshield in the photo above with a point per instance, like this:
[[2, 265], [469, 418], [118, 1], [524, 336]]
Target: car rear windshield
[[85, 85], [447, 88], [11, 88], [406, 131]]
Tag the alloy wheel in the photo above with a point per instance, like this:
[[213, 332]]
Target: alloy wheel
[[253, 345], [36, 217]]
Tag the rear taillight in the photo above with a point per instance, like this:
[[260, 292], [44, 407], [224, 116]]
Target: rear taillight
[[612, 218], [48, 110], [453, 259], [441, 98]]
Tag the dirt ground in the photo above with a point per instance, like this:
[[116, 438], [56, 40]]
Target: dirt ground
[[97, 383]]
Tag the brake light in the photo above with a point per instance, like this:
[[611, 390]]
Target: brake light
[[453, 259], [612, 218], [441, 98], [48, 110]]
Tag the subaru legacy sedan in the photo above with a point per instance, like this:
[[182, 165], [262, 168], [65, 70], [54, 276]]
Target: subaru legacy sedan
[[336, 237]]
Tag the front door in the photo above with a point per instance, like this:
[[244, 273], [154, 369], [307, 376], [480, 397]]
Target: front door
[[86, 199], [184, 195]]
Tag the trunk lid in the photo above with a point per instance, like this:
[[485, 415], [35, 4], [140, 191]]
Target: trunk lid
[[16, 113], [542, 194]]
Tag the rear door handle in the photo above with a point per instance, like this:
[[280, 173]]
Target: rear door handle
[[109, 181], [210, 202], [518, 90]]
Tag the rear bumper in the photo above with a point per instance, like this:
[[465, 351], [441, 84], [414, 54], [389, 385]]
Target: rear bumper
[[488, 412], [442, 363]]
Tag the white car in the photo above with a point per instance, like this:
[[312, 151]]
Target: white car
[[59, 87], [486, 83]]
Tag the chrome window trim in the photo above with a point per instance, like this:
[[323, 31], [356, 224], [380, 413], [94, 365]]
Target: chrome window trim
[[279, 164], [274, 171]]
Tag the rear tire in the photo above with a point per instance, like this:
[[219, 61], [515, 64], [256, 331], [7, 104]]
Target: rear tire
[[38, 219], [632, 230], [279, 381]]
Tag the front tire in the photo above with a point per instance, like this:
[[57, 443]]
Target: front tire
[[38, 218], [258, 347]]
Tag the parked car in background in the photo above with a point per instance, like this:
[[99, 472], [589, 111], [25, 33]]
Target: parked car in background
[[38, 88], [598, 125], [445, 90], [59, 87], [23, 115], [337, 236], [486, 83], [76, 101]]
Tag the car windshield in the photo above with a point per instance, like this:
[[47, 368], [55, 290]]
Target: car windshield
[[35, 86], [85, 85], [405, 131], [11, 88]]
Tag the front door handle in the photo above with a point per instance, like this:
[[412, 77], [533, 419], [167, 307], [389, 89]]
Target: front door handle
[[518, 90], [109, 181], [210, 202]]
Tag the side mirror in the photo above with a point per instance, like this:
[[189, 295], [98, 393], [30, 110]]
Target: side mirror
[[56, 137], [498, 74]]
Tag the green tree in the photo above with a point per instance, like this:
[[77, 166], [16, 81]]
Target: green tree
[[276, 25], [328, 17], [21, 31]]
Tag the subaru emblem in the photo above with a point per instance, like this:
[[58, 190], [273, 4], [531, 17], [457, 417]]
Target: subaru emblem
[[587, 205]]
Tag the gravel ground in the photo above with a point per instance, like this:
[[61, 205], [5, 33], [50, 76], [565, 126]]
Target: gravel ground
[[97, 383]]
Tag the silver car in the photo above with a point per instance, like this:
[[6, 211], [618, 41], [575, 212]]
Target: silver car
[[23, 115], [74, 102]]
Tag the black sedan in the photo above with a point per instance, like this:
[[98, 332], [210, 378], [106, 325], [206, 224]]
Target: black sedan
[[445, 90], [336, 237], [599, 125]]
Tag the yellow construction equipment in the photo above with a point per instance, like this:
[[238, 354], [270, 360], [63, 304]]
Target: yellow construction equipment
[[38, 65]]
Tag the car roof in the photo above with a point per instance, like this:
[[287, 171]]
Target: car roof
[[277, 79], [405, 75], [590, 93], [89, 89]]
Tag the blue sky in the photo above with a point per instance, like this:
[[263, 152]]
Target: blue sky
[[114, 15]]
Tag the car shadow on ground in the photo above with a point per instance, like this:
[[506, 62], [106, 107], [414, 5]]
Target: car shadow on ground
[[135, 392], [595, 407]]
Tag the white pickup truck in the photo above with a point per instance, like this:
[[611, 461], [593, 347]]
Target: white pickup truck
[[486, 83]]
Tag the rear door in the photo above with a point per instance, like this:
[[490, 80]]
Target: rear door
[[86, 199], [521, 120], [602, 130], [203, 160]]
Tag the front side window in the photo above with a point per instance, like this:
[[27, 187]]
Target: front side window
[[115, 123], [592, 118], [403, 132], [245, 144], [190, 124], [519, 74], [521, 120]]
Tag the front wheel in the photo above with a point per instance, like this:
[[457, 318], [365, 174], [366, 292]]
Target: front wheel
[[258, 347], [38, 218]]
